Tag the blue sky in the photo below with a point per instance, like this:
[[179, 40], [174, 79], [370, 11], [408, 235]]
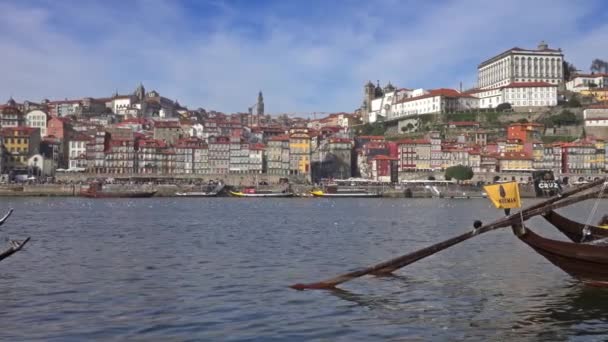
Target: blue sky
[[306, 56]]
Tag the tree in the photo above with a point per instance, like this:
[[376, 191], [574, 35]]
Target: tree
[[524, 120], [431, 178], [459, 172], [503, 106], [599, 65], [409, 126], [574, 102], [569, 70], [376, 128]]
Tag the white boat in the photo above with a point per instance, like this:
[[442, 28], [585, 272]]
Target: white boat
[[212, 193], [196, 194], [261, 194], [320, 193]]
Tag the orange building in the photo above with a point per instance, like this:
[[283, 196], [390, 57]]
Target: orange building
[[525, 131]]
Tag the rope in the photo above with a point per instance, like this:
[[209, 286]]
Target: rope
[[586, 230]]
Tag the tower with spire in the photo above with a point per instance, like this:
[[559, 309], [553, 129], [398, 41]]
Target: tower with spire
[[140, 92], [260, 105]]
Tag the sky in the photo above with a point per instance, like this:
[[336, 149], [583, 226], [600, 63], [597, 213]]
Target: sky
[[306, 56]]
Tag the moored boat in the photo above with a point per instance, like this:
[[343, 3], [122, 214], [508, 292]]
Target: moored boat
[[96, 190], [360, 194], [260, 194], [587, 262], [338, 192], [574, 230], [210, 193]]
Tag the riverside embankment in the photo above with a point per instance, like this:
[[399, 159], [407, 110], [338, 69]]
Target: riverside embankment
[[169, 190]]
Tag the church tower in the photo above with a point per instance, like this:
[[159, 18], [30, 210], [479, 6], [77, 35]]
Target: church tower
[[140, 92], [260, 105]]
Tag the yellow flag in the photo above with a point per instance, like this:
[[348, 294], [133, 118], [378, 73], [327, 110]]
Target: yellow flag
[[504, 196]]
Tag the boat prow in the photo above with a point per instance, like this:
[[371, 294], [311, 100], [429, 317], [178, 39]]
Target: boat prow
[[587, 262], [572, 229], [15, 247]]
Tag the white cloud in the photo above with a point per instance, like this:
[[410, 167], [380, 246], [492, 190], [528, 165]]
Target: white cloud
[[302, 64]]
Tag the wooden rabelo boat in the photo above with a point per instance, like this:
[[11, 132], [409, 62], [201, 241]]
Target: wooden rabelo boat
[[14, 245], [96, 190], [574, 230], [587, 262]]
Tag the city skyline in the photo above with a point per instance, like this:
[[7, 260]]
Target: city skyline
[[218, 55]]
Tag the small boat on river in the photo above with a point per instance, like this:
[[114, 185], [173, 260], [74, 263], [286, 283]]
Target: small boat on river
[[252, 192], [96, 190], [336, 192], [212, 193]]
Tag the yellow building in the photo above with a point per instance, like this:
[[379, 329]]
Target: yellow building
[[514, 145], [600, 94], [21, 143], [598, 163], [299, 151], [514, 161]]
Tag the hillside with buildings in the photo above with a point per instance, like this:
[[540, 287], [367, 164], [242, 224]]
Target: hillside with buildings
[[523, 115]]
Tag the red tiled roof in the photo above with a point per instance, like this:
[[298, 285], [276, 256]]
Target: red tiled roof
[[514, 156], [598, 106], [383, 157], [257, 147], [413, 141], [340, 140], [371, 137], [152, 143], [598, 118], [279, 138], [166, 124]]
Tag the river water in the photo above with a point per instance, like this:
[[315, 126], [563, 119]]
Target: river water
[[219, 269]]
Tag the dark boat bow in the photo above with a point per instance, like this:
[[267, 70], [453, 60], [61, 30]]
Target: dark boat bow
[[572, 229], [587, 262]]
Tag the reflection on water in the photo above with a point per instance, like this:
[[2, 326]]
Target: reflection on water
[[218, 269]]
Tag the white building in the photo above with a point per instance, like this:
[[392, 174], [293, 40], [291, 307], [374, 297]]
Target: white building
[[77, 151], [256, 158], [433, 101], [518, 94], [37, 119], [521, 65], [123, 104], [596, 116], [581, 82], [197, 130]]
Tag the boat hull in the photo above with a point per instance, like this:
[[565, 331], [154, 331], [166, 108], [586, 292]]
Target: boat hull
[[587, 262], [572, 229], [195, 194], [269, 195], [346, 195]]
